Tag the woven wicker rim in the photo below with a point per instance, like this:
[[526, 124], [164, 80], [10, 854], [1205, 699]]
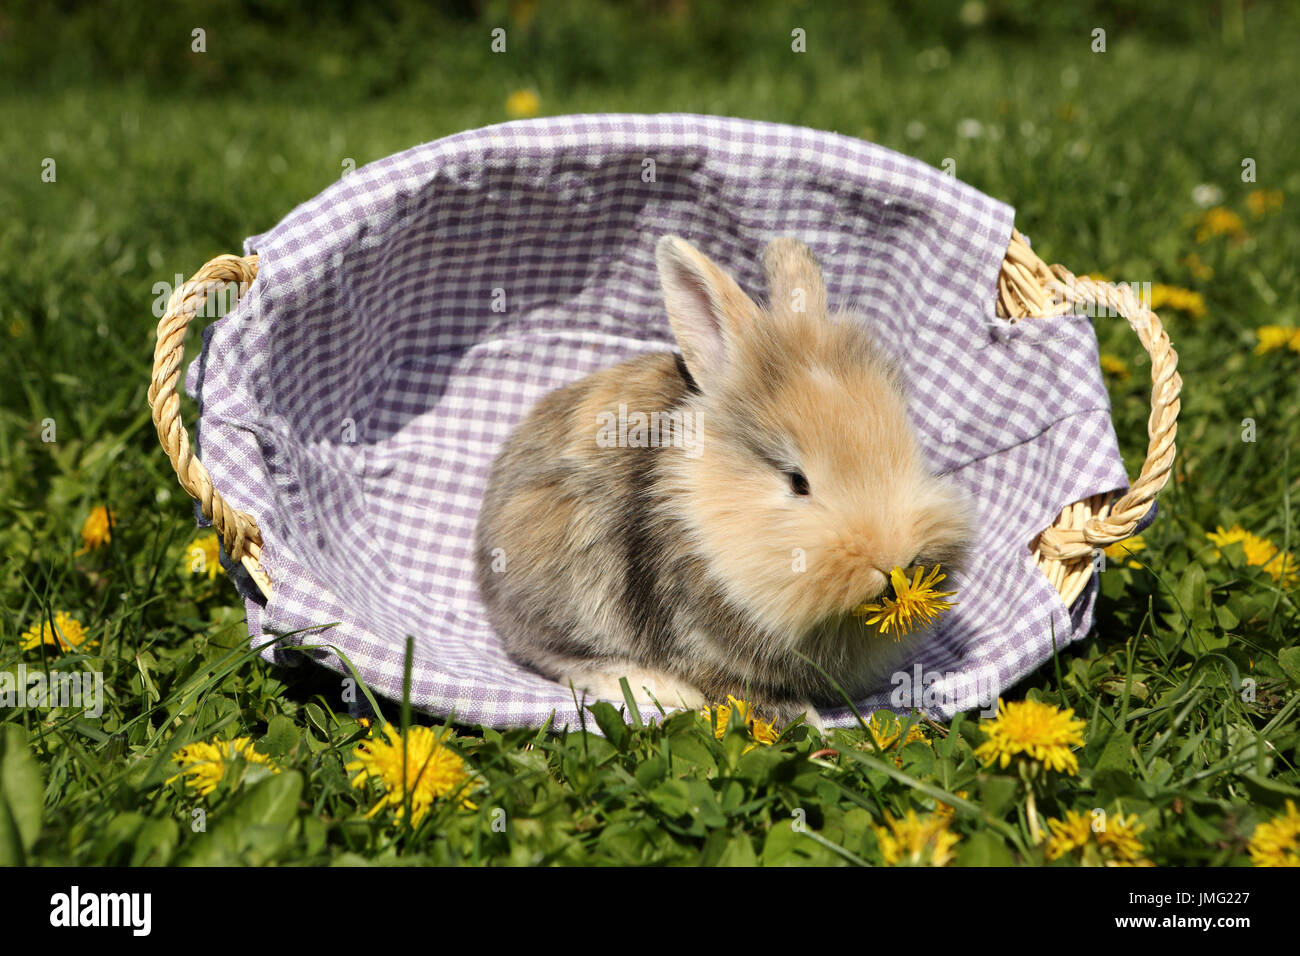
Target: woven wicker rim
[[1027, 288]]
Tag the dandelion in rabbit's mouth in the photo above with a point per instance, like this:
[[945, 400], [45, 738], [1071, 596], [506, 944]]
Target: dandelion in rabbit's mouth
[[913, 603]]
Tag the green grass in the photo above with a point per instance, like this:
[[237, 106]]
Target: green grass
[[165, 160]]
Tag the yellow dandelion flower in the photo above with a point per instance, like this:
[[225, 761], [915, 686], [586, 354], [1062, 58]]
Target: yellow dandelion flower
[[911, 599], [1116, 843], [67, 634], [203, 556], [916, 841], [1114, 365], [1283, 569], [1123, 549], [1197, 268], [886, 729], [1260, 552], [1276, 842], [1262, 202], [204, 764], [432, 770], [523, 104], [1068, 835], [1120, 837], [1184, 300], [761, 731], [1219, 222], [97, 529], [1039, 731], [1271, 338]]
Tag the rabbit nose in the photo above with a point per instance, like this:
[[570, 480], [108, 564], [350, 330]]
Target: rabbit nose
[[902, 565], [911, 563]]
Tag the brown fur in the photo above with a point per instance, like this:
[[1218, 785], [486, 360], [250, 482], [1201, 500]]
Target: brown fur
[[703, 574]]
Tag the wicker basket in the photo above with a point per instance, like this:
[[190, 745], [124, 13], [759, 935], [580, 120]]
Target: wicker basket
[[1027, 289]]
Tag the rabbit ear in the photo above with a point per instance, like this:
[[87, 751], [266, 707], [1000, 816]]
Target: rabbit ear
[[706, 308], [794, 280]]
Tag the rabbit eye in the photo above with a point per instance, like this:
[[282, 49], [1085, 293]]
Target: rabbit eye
[[798, 483]]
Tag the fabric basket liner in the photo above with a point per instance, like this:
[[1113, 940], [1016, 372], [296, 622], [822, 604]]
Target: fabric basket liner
[[407, 317]]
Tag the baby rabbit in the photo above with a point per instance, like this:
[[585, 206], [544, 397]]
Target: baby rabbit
[[784, 485]]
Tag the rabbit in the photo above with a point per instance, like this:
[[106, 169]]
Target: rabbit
[[785, 484]]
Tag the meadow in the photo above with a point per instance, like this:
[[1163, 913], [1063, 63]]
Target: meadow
[[1169, 158]]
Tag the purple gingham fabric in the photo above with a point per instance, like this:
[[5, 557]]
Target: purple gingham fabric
[[407, 317]]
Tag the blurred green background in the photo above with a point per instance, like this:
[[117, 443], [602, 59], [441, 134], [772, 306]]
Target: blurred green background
[[345, 52], [165, 157]]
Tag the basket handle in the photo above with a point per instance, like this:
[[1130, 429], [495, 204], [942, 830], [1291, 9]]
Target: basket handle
[[1027, 287], [238, 529]]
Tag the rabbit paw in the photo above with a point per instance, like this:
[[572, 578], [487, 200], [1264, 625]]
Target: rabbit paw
[[647, 685]]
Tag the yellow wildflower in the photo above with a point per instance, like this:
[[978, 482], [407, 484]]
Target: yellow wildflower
[[1068, 835], [1039, 731], [1261, 202], [1283, 570], [206, 763], [1114, 365], [1197, 268], [67, 634], [1274, 337], [431, 770], [523, 104], [1123, 549], [911, 599], [1276, 842], [1184, 300], [97, 529], [1219, 222], [760, 731], [1120, 837], [1260, 552], [1115, 843], [203, 556], [886, 728], [916, 841]]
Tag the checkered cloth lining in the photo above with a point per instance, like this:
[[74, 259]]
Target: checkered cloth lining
[[354, 400]]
